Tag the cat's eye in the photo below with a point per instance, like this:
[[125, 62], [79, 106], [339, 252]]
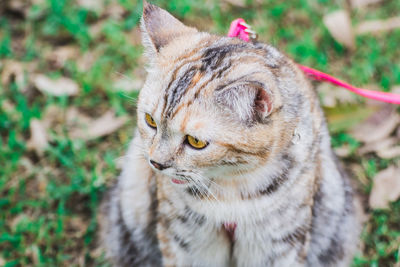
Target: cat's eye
[[150, 121], [195, 143]]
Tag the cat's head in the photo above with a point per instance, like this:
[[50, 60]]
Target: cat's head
[[210, 107]]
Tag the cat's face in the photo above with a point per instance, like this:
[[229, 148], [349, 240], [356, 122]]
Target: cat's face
[[209, 107]]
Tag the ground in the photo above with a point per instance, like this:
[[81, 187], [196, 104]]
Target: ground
[[70, 73]]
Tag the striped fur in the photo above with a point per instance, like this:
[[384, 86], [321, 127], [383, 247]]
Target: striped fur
[[268, 166]]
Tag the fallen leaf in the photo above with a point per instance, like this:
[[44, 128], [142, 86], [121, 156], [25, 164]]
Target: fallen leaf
[[87, 60], [378, 126], [12, 71], [61, 55], [398, 132], [344, 117], [20, 6], [115, 11], [389, 153], [376, 26], [363, 3], [378, 145], [238, 3], [93, 5], [331, 96], [338, 24], [359, 172], [38, 140], [105, 125], [60, 87], [386, 188], [78, 226], [343, 151]]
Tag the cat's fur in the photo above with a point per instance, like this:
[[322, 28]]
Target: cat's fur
[[268, 166]]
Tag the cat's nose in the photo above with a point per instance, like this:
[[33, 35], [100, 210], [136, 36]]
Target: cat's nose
[[159, 166]]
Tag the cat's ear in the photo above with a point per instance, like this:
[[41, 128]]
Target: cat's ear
[[251, 102], [159, 28]]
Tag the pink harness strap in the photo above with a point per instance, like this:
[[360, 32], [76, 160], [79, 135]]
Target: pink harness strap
[[241, 30]]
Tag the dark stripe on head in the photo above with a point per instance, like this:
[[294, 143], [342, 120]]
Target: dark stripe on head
[[214, 56], [178, 90]]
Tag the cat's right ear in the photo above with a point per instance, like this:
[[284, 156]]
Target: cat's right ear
[[159, 28]]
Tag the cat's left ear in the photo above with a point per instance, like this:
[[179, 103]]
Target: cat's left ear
[[251, 102], [159, 28]]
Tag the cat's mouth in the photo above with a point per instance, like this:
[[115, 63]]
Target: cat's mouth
[[178, 181]]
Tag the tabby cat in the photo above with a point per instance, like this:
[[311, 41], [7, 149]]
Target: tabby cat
[[231, 164]]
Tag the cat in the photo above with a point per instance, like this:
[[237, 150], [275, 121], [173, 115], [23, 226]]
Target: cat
[[231, 163]]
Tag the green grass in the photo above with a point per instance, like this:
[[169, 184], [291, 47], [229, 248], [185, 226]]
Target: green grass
[[48, 203]]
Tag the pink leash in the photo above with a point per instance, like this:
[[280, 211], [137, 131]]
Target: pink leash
[[240, 29]]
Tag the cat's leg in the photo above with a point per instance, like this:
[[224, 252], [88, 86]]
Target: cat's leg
[[335, 228], [128, 214]]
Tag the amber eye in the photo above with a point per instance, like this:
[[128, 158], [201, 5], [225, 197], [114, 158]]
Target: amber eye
[[195, 143], [150, 121]]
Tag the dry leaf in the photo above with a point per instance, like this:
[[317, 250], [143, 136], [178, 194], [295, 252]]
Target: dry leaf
[[115, 11], [93, 5], [339, 26], [331, 96], [60, 87], [379, 145], [105, 125], [20, 6], [12, 71], [386, 188], [389, 153], [38, 140], [60, 55], [363, 3], [343, 151], [239, 3], [87, 60], [378, 126], [376, 26]]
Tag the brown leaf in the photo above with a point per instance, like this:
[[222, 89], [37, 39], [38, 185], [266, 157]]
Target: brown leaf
[[60, 87], [376, 26], [38, 140], [61, 55], [379, 145], [19, 6], [389, 153], [91, 129], [378, 126], [363, 3], [115, 11], [339, 26], [12, 71], [386, 188], [331, 96], [238, 3], [93, 5]]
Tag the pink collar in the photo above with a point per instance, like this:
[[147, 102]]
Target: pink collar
[[240, 29]]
